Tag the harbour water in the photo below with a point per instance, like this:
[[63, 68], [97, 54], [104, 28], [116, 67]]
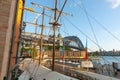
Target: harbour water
[[108, 66], [108, 59]]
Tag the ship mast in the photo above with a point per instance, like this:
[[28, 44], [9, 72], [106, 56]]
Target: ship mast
[[55, 25], [54, 35], [41, 39]]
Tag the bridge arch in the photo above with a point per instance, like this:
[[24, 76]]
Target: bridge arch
[[73, 41]]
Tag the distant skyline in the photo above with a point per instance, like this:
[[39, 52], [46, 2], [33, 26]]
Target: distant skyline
[[106, 12]]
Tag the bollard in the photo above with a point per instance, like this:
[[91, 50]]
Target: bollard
[[44, 79], [5, 78], [16, 78], [30, 78]]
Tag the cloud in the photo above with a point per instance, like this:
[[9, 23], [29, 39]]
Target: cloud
[[114, 3]]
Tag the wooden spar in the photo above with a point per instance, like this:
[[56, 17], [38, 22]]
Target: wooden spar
[[47, 8], [38, 13], [37, 25], [54, 35], [55, 25], [41, 39]]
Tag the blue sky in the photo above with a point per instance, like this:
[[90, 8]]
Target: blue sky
[[106, 12]]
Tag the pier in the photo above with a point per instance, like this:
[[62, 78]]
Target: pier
[[81, 74], [37, 72]]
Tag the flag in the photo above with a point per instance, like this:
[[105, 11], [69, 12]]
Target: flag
[[63, 51], [86, 55], [43, 53]]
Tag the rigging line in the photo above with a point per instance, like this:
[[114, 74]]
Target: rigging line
[[50, 19], [65, 32], [34, 71], [105, 28], [36, 67], [99, 24], [82, 32], [28, 65], [88, 38], [102, 25], [70, 4], [61, 11], [91, 26], [89, 21], [85, 35], [50, 29], [62, 21]]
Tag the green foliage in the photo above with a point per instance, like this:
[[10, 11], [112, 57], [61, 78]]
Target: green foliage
[[51, 47], [29, 50], [67, 48], [48, 47], [96, 53], [57, 47], [34, 52]]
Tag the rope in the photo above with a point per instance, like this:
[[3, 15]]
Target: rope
[[81, 31], [65, 30], [86, 36], [101, 25], [90, 24], [88, 15]]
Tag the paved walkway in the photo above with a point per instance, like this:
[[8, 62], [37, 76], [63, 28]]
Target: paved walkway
[[41, 73], [97, 76], [94, 76]]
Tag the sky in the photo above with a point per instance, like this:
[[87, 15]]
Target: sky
[[98, 21]]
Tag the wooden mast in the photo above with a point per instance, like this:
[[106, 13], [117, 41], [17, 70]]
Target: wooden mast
[[55, 25], [54, 34], [41, 39]]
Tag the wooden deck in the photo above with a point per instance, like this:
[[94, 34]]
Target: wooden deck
[[38, 72], [96, 76], [80, 74]]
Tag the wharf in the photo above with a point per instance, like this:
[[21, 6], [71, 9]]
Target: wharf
[[38, 72], [96, 76], [80, 74]]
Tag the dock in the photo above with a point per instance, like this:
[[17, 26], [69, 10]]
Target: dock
[[96, 76], [39, 72], [71, 71]]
